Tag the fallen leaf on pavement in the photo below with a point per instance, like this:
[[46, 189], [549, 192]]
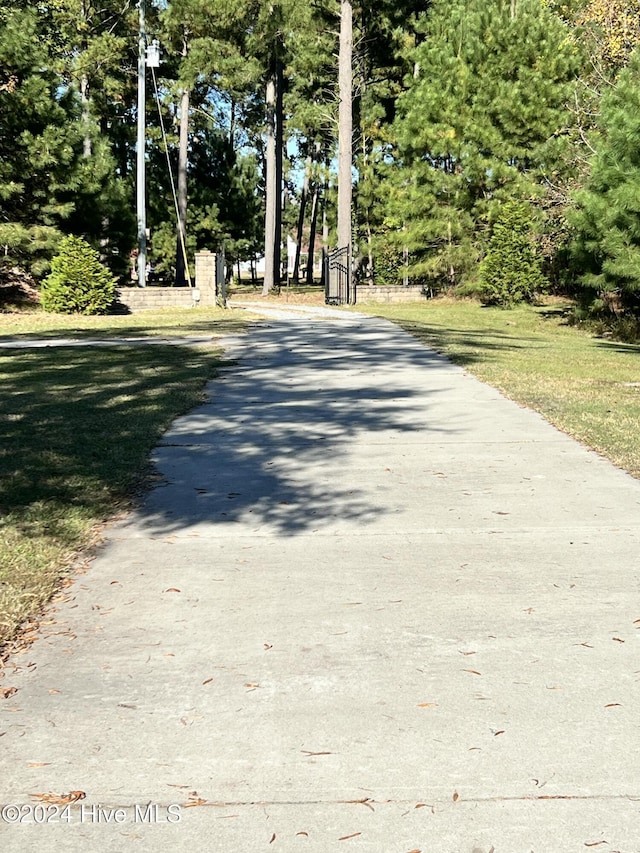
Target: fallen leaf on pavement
[[5, 692], [346, 837], [366, 801], [60, 799], [195, 801]]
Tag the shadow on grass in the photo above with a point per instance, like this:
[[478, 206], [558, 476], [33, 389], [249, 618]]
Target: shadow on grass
[[464, 346], [78, 425], [618, 346], [132, 327]]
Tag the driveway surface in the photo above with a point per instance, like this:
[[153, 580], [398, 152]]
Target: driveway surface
[[371, 605]]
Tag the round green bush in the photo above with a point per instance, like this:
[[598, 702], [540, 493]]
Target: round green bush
[[78, 282]]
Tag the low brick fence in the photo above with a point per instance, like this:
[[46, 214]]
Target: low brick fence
[[390, 293], [209, 290], [153, 298]]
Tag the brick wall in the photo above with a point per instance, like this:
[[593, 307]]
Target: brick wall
[[390, 293], [154, 298]]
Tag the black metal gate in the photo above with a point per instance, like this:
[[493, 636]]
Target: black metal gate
[[338, 288]]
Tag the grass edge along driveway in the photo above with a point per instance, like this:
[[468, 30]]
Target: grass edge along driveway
[[77, 427], [586, 386]]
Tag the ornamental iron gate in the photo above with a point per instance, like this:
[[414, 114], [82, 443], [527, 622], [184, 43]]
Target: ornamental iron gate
[[338, 286]]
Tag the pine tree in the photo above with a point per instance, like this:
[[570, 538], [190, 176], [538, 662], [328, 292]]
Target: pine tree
[[78, 283], [483, 119], [40, 146], [607, 217], [50, 182]]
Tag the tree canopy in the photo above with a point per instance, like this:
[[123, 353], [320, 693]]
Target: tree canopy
[[458, 110]]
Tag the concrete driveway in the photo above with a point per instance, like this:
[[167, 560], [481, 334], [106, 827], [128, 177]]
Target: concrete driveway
[[371, 605]]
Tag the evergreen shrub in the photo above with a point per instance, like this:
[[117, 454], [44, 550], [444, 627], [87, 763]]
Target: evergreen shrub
[[78, 282], [389, 263], [511, 270]]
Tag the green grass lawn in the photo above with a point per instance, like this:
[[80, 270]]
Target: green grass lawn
[[166, 323], [587, 386], [76, 429]]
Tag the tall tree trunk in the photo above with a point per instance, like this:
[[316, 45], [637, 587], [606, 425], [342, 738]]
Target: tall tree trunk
[[312, 231], [181, 236], [345, 124], [301, 215], [325, 218], [366, 155], [273, 178], [84, 101], [270, 188], [277, 260], [325, 203]]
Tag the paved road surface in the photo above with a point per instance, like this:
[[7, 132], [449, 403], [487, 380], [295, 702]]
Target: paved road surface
[[371, 606]]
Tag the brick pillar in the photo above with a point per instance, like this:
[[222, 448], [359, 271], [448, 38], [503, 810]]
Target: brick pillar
[[206, 277], [210, 281]]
